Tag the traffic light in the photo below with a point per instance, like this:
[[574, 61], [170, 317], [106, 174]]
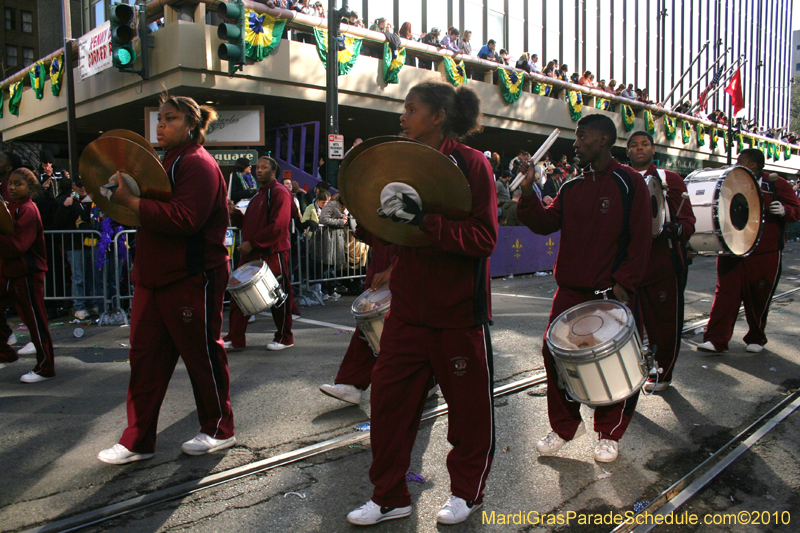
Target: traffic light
[[232, 31], [122, 53]]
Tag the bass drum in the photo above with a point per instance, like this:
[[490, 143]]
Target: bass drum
[[729, 209], [658, 203]]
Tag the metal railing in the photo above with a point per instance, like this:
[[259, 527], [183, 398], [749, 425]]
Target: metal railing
[[327, 256]]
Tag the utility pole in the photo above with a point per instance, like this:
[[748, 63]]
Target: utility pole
[[332, 96], [72, 133]]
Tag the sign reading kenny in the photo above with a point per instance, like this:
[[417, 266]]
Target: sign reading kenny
[[236, 126], [95, 50]]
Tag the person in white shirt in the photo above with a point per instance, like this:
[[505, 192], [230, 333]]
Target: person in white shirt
[[450, 41], [535, 63]]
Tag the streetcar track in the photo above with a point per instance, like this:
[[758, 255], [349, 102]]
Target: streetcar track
[[665, 500]]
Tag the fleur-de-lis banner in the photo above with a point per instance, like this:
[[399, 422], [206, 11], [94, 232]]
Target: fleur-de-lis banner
[[575, 103], [392, 63], [262, 33], [456, 72], [349, 50], [628, 117], [56, 74], [510, 84]]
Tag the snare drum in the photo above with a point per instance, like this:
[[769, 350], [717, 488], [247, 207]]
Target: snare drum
[[658, 202], [598, 353], [370, 310], [241, 205], [254, 288], [729, 209]]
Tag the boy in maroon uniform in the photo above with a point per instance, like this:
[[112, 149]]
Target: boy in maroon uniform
[[180, 273], [438, 324], [661, 290], [265, 236], [22, 265], [604, 218], [752, 279]]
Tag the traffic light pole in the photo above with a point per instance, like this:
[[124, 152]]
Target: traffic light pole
[[72, 130], [332, 94]]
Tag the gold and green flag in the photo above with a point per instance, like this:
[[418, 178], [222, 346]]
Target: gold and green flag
[[392, 64], [349, 50], [701, 135], [456, 72], [714, 138], [670, 126], [575, 103], [262, 33], [602, 103], [56, 74], [628, 117], [739, 142], [649, 123], [686, 131], [14, 97], [38, 74], [541, 89], [787, 150], [510, 84]]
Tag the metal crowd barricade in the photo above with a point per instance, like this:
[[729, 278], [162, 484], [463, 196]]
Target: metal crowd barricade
[[59, 246], [333, 254]]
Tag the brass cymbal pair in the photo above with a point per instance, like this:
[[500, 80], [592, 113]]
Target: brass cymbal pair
[[129, 153], [375, 163]]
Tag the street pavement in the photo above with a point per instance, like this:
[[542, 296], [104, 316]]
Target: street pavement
[[50, 432]]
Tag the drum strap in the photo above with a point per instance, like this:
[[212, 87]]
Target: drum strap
[[173, 169]]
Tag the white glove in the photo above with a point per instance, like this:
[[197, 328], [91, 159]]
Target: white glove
[[776, 208]]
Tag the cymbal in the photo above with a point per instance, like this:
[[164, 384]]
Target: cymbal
[[357, 151], [6, 221], [104, 157], [440, 183], [132, 136]]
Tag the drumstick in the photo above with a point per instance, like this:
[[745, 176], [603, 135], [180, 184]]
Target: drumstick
[[539, 153], [684, 196]]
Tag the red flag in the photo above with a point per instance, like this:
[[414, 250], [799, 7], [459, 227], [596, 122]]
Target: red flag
[[734, 89]]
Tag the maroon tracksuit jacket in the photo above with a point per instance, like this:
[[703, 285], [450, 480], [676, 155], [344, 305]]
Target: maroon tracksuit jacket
[[22, 268], [592, 255], [752, 280], [661, 290], [358, 361], [437, 326], [266, 226], [180, 274]]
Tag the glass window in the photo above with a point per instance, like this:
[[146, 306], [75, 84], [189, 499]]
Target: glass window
[[797, 67], [27, 21], [516, 28], [378, 9], [12, 56], [496, 29], [473, 21], [99, 13], [411, 11], [27, 56], [457, 15], [552, 26], [11, 19], [437, 16]]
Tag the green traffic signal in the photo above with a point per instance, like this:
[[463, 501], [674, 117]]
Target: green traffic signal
[[233, 51], [122, 53]]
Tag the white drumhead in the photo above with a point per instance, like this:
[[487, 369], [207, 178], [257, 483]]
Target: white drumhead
[[657, 204], [245, 273], [589, 325], [372, 301]]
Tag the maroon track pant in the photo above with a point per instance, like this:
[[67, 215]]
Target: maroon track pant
[[610, 421], [282, 315], [751, 280], [461, 360], [27, 294], [182, 319], [358, 362], [662, 313]]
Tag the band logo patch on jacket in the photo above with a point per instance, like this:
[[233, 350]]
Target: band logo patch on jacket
[[605, 204], [187, 313], [460, 365]]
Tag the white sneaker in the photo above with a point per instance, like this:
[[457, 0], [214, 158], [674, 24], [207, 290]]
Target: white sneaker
[[433, 390], [346, 393], [251, 319], [606, 451], [12, 340], [652, 386], [371, 513], [455, 511], [28, 349], [203, 444], [553, 442], [709, 347], [754, 348], [33, 377], [81, 314], [274, 346], [120, 455]]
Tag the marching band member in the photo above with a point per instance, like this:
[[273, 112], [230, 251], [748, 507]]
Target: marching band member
[[355, 371], [600, 250], [438, 324], [265, 235], [752, 279], [661, 290], [180, 273], [23, 263]]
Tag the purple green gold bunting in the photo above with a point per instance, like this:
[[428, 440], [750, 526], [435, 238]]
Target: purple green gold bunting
[[510, 84], [262, 33], [456, 72], [392, 65], [38, 74], [349, 50]]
